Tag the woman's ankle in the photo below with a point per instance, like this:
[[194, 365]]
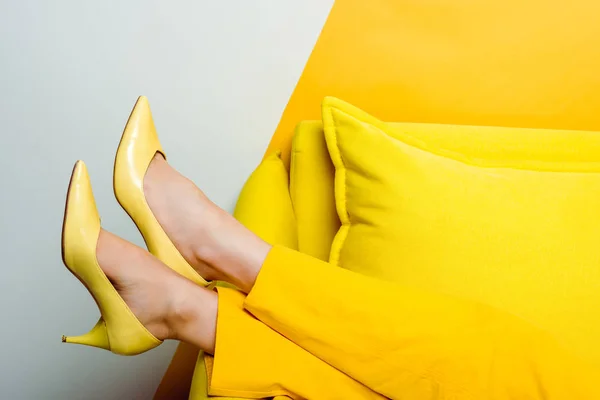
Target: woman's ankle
[[193, 315], [229, 252]]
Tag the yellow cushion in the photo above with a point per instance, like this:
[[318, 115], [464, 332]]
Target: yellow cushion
[[264, 205], [311, 189], [506, 216]]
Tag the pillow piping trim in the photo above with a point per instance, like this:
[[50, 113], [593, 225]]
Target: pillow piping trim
[[339, 180], [331, 103]]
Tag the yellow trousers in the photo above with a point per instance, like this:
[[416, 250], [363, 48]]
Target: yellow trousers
[[311, 330]]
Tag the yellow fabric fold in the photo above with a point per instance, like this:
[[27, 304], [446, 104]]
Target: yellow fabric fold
[[264, 205], [311, 190], [252, 360], [410, 344]]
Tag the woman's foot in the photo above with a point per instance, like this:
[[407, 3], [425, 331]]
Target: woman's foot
[[168, 305], [216, 245], [181, 209]]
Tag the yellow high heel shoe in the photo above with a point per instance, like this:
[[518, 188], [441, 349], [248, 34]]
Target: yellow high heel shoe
[[139, 144], [118, 330]]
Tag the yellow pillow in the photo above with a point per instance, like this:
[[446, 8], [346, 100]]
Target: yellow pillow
[[311, 189], [505, 216], [264, 205]]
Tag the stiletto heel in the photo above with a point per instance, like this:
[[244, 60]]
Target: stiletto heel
[[118, 330], [139, 144], [97, 337]]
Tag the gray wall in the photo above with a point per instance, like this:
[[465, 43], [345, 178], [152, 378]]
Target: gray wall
[[218, 75]]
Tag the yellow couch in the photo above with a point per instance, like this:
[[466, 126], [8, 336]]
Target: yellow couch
[[300, 213]]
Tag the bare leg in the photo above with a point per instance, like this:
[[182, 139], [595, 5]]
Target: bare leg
[[211, 240], [172, 307], [168, 305]]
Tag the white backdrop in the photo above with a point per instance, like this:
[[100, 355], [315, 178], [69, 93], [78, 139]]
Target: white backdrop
[[218, 75]]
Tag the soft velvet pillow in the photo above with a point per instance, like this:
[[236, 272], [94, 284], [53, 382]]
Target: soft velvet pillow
[[264, 205], [506, 216], [311, 189]]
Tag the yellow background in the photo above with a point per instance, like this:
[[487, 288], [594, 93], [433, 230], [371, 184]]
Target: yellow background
[[526, 63]]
